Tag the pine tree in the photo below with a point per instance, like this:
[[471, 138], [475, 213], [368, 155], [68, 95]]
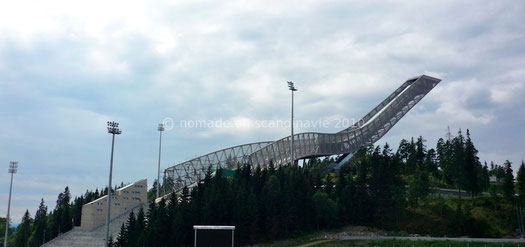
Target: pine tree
[[162, 222], [328, 184], [252, 217], [485, 178], [345, 197], [63, 211], [418, 187], [472, 169], [130, 233], [177, 238], [111, 243], [420, 152], [181, 225], [23, 231], [40, 224], [361, 212], [185, 194], [376, 175], [398, 189], [445, 160], [273, 199], [430, 164], [403, 150], [458, 164], [325, 209], [521, 181], [76, 210], [508, 182], [240, 212], [152, 193], [382, 179], [122, 238], [407, 152], [60, 218], [139, 228]]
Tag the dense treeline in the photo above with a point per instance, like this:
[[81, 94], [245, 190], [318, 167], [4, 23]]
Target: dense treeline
[[47, 225], [375, 187]]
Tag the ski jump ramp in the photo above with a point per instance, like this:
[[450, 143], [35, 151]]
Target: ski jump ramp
[[367, 131]]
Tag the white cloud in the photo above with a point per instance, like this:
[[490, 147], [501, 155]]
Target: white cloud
[[104, 62]]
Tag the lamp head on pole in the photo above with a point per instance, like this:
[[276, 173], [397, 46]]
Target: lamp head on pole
[[113, 128], [161, 127], [291, 86], [13, 166]]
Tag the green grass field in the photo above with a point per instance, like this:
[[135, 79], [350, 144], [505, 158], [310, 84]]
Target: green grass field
[[407, 243]]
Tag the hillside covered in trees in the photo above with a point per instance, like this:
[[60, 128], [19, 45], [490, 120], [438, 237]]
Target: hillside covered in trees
[[399, 191], [377, 187]]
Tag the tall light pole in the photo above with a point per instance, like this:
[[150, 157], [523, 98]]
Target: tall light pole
[[160, 129], [113, 130], [292, 89], [13, 165]]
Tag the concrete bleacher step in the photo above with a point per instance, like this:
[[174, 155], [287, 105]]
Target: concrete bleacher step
[[80, 237]]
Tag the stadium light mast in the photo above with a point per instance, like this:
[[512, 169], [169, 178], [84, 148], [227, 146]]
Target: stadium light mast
[[292, 89], [113, 130], [13, 165], [160, 129]]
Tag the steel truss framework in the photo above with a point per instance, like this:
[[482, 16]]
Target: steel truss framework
[[368, 130]]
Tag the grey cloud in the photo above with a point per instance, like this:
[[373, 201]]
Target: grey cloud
[[211, 60]]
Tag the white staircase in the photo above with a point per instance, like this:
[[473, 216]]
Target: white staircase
[[80, 237]]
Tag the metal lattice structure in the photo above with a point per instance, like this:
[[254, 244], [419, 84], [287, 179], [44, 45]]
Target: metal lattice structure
[[368, 130], [194, 170]]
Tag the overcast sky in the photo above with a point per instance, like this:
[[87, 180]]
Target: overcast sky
[[67, 67]]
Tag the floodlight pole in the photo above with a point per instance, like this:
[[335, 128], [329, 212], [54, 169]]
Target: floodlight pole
[[160, 129], [114, 130], [13, 165], [293, 89]]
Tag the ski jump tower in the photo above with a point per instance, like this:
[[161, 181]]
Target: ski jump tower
[[367, 131]]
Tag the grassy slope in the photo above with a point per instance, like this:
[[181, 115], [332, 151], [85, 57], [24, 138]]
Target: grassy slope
[[439, 216], [406, 243]]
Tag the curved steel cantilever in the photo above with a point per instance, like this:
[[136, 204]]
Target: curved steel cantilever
[[194, 170], [371, 128], [368, 130]]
